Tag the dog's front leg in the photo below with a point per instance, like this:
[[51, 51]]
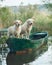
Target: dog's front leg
[[22, 36], [27, 34], [17, 36]]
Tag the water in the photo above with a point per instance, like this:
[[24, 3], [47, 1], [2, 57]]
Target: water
[[0, 63], [45, 59]]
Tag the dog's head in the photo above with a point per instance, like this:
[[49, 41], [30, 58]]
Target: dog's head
[[30, 22], [18, 23]]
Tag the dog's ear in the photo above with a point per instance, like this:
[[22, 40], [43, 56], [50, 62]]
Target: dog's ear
[[14, 22]]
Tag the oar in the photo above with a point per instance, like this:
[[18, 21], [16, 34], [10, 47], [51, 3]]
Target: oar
[[37, 35]]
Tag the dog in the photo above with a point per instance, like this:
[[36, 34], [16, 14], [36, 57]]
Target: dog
[[15, 29], [26, 28]]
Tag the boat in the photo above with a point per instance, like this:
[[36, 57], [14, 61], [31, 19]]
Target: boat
[[23, 51]]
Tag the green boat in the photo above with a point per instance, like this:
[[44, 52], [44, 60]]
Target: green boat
[[23, 51]]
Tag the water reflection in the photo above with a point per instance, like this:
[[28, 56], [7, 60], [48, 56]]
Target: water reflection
[[45, 59]]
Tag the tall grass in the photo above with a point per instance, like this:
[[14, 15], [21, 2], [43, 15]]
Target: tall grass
[[43, 23]]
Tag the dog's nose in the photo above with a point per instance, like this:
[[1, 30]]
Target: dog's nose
[[31, 23]]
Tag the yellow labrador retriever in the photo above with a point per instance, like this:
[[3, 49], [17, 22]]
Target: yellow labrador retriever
[[15, 29], [26, 28]]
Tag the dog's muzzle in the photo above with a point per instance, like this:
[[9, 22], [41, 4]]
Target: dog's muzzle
[[31, 23]]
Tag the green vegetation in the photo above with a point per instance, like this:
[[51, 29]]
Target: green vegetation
[[6, 16], [3, 39], [48, 4]]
